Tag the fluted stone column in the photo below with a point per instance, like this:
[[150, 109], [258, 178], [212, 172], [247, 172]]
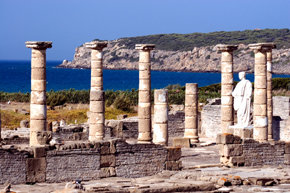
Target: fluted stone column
[[269, 93], [260, 91], [97, 105], [227, 84], [38, 92], [144, 103], [160, 127], [191, 112]]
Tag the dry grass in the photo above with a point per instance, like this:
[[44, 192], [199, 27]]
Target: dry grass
[[281, 92], [11, 119]]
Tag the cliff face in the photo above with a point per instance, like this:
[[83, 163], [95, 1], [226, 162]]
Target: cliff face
[[200, 59]]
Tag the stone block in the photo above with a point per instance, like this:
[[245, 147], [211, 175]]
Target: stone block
[[238, 160], [96, 95], [38, 74], [144, 66], [181, 142], [39, 152], [191, 100], [37, 111], [144, 96], [38, 85], [287, 159], [96, 63], [107, 172], [144, 125], [173, 165], [144, 111], [260, 82], [173, 153], [97, 106], [108, 161], [36, 168], [260, 110], [144, 56], [96, 72], [191, 88], [231, 150], [144, 84], [225, 138], [191, 111], [38, 97], [191, 122], [226, 90], [144, 74], [97, 118], [287, 148], [97, 82], [227, 78]]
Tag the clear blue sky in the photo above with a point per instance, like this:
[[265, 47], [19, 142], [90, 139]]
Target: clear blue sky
[[70, 23]]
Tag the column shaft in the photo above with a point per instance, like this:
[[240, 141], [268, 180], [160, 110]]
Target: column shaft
[[260, 114], [227, 84], [38, 92], [144, 103], [97, 105], [191, 112], [160, 127], [269, 95]]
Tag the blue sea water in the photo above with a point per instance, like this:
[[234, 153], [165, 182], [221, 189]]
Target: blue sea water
[[15, 77]]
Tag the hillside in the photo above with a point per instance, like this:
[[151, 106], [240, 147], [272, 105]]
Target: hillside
[[190, 52]]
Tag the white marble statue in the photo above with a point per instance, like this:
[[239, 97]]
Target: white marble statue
[[242, 100]]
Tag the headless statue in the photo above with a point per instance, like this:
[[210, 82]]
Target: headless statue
[[242, 100]]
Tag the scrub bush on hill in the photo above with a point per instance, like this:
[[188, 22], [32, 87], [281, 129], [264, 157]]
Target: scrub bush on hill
[[124, 100]]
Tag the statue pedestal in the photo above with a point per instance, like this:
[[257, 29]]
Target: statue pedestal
[[241, 131]]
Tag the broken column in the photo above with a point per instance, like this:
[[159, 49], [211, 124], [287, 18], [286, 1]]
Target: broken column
[[227, 84], [97, 106], [160, 127], [144, 103], [38, 92], [269, 93], [260, 91], [191, 112]]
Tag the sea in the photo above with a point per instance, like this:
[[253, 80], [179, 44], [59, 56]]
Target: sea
[[15, 77]]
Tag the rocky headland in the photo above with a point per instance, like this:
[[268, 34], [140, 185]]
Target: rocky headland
[[189, 52]]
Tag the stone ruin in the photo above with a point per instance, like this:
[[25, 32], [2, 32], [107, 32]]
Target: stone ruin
[[144, 146]]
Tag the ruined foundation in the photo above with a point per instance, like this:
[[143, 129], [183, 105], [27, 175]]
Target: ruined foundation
[[38, 134]]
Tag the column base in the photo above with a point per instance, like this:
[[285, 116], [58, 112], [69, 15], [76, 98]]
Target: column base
[[144, 142]]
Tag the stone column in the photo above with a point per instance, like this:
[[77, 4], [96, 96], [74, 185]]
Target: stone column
[[144, 103], [160, 127], [38, 92], [97, 105], [260, 91], [269, 93], [227, 84], [191, 112]]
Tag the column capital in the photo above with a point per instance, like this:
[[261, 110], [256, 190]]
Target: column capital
[[145, 47], [264, 47], [226, 48], [96, 45], [40, 45]]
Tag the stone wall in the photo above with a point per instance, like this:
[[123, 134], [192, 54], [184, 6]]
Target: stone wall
[[211, 119], [281, 119], [86, 161], [247, 152], [13, 165]]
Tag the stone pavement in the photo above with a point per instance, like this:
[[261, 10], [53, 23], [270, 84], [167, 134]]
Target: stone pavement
[[200, 174]]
